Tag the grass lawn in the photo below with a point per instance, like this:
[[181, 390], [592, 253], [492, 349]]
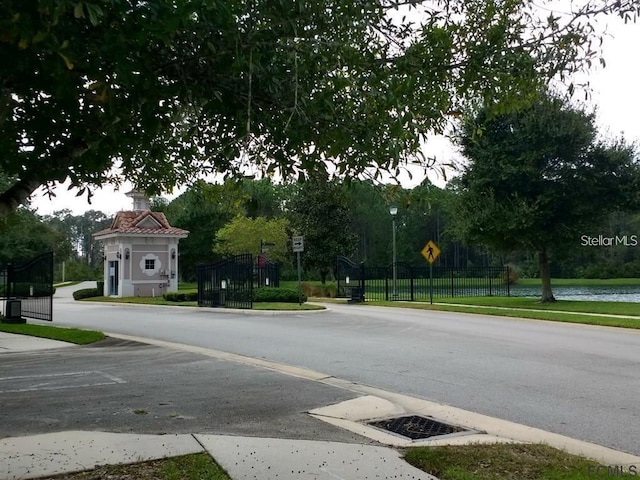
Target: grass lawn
[[506, 462], [612, 308], [199, 466], [71, 335], [522, 308]]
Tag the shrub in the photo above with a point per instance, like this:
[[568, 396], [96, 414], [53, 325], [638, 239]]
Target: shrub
[[185, 296], [269, 294], [318, 290], [512, 275], [86, 293]]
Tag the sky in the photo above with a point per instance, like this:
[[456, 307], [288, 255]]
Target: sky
[[614, 92]]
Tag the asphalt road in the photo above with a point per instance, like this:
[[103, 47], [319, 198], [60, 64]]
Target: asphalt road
[[575, 380], [129, 387]]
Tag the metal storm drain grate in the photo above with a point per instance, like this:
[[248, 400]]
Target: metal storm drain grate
[[416, 427]]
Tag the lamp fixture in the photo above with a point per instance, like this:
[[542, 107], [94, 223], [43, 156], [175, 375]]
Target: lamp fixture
[[173, 254], [118, 255], [126, 254], [393, 210]]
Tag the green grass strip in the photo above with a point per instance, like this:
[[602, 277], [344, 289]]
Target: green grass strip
[[609, 308], [509, 462], [198, 466], [71, 335]]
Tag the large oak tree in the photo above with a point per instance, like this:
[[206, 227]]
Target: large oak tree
[[538, 179], [159, 92]]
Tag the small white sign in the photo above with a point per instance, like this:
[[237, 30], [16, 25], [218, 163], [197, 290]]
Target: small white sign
[[298, 244]]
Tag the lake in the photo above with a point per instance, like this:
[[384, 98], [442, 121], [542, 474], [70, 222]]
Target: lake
[[603, 293]]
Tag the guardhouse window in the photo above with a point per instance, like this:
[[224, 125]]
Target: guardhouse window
[[150, 264]]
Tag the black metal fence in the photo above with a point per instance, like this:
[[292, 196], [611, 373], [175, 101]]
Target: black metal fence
[[228, 283], [30, 284], [266, 273], [409, 283]]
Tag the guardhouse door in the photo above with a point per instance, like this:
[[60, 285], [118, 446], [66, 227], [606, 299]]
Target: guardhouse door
[[113, 278]]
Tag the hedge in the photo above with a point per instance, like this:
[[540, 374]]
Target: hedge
[[270, 294], [187, 296], [86, 293]]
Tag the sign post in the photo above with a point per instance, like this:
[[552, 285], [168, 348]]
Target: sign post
[[431, 253], [298, 246]]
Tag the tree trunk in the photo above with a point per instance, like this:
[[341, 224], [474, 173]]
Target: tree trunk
[[545, 276], [17, 195], [323, 275]]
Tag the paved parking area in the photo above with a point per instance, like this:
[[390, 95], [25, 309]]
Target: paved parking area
[[121, 386]]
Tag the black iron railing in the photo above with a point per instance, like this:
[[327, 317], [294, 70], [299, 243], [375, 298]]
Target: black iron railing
[[410, 283], [30, 284]]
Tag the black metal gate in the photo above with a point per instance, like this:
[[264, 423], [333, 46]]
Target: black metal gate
[[267, 273], [408, 283], [350, 279], [30, 284], [228, 283]]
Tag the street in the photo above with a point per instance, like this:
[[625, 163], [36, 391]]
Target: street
[[570, 379]]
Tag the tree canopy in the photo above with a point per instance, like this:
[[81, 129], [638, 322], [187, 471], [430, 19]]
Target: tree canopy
[[318, 211], [160, 92], [246, 235], [539, 178]]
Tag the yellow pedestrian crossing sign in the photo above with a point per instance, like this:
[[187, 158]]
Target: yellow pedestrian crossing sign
[[430, 251]]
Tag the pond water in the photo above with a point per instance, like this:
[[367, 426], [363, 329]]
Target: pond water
[[603, 293]]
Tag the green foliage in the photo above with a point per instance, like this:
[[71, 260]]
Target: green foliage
[[318, 210], [32, 290], [202, 210], [182, 296], [79, 270], [24, 236], [282, 295], [78, 230], [169, 90], [86, 293], [538, 178], [244, 235]]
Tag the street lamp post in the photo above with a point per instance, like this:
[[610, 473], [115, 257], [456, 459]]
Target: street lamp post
[[393, 210]]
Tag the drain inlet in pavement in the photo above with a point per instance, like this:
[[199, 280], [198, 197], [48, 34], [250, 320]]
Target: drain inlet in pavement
[[416, 427]]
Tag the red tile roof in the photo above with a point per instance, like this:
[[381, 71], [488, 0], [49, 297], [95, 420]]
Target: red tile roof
[[138, 223]]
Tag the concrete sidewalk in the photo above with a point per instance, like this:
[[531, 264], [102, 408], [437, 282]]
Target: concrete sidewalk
[[241, 457]]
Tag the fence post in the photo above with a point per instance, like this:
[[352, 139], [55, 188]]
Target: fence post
[[452, 291], [489, 271], [411, 281], [508, 282], [10, 280], [386, 285], [362, 280]]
